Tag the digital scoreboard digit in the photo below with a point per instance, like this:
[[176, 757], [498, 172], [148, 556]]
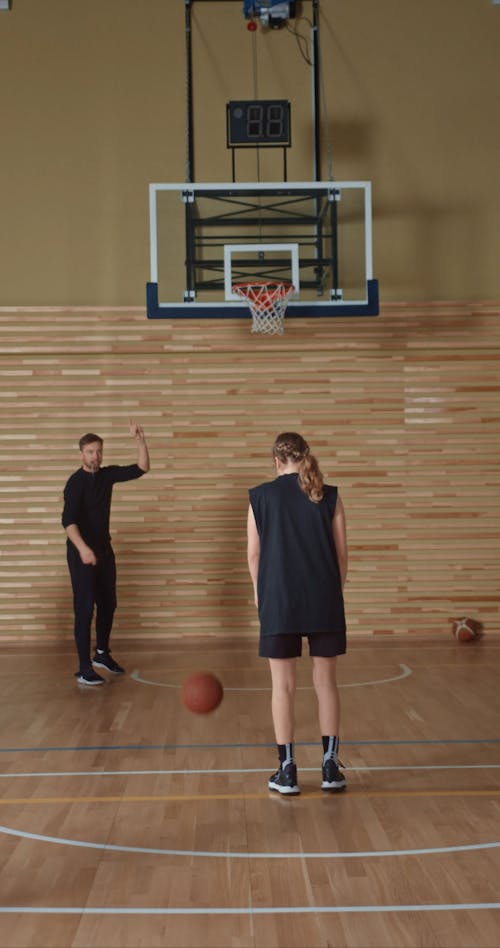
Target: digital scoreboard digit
[[258, 123]]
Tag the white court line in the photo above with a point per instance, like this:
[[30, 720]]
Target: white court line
[[215, 854], [405, 672], [248, 910], [238, 770]]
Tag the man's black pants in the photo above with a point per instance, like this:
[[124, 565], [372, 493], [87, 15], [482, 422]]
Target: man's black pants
[[92, 586]]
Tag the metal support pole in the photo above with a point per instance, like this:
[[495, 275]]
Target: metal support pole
[[334, 246], [189, 95], [316, 107], [190, 291]]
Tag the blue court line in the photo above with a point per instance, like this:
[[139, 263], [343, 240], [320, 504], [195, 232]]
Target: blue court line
[[239, 746]]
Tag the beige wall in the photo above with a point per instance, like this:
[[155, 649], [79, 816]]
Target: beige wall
[[93, 109], [402, 410]]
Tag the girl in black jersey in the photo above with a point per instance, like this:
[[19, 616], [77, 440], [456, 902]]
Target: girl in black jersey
[[297, 557]]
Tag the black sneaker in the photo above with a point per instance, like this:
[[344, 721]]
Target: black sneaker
[[89, 678], [332, 778], [285, 780], [104, 660]]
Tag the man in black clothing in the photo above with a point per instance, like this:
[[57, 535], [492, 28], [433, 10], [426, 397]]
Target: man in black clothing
[[91, 560]]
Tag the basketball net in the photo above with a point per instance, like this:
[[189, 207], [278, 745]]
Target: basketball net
[[268, 302]]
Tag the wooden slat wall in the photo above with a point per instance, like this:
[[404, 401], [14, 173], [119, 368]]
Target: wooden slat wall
[[403, 411]]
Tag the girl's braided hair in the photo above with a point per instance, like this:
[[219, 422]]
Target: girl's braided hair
[[291, 446]]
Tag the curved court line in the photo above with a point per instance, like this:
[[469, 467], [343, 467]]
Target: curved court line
[[248, 910], [405, 672], [152, 851]]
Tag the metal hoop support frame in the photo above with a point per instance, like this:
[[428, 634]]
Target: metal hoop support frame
[[268, 300]]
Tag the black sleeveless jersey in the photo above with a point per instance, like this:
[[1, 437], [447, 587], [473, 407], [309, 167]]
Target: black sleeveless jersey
[[299, 586]]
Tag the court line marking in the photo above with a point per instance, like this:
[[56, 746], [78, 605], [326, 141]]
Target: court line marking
[[405, 672], [41, 749], [248, 910], [237, 770], [258, 795], [147, 850]]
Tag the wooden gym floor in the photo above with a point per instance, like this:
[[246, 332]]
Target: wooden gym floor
[[127, 821]]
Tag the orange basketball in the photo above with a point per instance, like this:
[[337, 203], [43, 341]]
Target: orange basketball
[[467, 630], [202, 692]]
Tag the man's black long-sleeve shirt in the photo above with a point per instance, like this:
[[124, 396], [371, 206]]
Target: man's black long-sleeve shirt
[[87, 501]]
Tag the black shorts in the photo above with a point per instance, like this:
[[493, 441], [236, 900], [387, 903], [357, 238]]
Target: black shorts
[[290, 646]]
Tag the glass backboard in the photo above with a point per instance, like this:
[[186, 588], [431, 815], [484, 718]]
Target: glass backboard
[[204, 238]]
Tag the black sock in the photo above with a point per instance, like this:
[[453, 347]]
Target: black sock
[[285, 752], [330, 747]]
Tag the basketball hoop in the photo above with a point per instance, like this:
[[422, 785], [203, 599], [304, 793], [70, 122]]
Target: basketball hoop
[[268, 302]]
